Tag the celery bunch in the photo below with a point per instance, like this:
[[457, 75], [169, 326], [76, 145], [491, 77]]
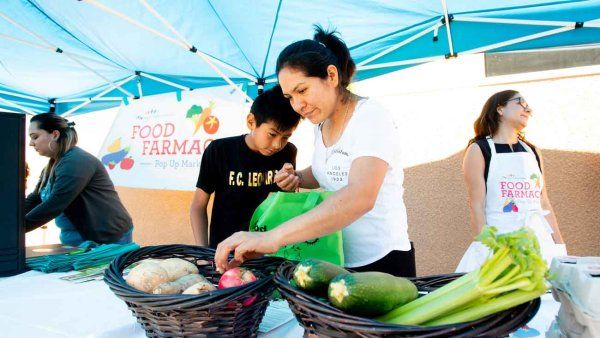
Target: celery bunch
[[513, 275]]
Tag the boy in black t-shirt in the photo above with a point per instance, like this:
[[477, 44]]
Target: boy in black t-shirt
[[240, 170]]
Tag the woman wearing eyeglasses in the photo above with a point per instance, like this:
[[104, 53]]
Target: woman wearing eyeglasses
[[504, 177]]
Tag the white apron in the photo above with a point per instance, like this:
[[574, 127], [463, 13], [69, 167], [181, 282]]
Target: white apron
[[514, 187]]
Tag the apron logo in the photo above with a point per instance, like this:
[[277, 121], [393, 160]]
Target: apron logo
[[536, 179], [510, 206]]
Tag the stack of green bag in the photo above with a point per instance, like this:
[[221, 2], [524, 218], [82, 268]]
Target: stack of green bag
[[89, 255]]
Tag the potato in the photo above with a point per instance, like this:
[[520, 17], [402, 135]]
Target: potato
[[179, 285], [198, 288], [177, 268], [147, 276]]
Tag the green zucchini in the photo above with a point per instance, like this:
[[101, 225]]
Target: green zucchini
[[313, 275], [370, 294]]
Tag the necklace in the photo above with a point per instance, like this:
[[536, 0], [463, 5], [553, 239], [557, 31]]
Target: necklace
[[329, 150]]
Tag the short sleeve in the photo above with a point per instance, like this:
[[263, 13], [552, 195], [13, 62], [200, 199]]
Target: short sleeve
[[207, 177], [375, 133]]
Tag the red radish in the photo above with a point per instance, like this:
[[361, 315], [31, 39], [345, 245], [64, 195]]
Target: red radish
[[127, 163], [236, 277]]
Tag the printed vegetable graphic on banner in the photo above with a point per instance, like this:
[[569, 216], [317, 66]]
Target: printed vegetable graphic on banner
[[199, 116], [211, 125], [117, 155]]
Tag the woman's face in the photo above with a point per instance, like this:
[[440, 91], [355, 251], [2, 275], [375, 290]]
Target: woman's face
[[40, 140], [311, 97], [516, 112]]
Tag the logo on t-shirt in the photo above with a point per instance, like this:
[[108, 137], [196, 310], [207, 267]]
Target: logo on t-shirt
[[251, 178]]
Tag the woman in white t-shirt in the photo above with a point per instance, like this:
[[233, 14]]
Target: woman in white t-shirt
[[357, 155]]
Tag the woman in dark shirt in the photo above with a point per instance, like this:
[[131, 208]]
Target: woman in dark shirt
[[503, 174], [74, 188]]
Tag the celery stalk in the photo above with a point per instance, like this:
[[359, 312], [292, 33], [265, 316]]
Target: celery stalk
[[494, 305], [514, 274]]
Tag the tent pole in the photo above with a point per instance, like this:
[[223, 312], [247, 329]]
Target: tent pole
[[400, 44], [16, 105], [53, 50], [110, 83], [269, 80], [139, 85], [111, 98], [401, 63], [513, 21], [157, 79], [590, 24], [32, 98], [163, 36], [60, 51], [194, 50], [570, 26], [519, 40], [448, 32], [99, 95]]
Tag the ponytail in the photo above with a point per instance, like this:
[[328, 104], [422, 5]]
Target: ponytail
[[312, 57]]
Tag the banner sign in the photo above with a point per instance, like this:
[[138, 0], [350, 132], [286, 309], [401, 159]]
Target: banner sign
[[157, 142]]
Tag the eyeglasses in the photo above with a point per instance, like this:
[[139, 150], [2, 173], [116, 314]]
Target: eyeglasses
[[521, 102]]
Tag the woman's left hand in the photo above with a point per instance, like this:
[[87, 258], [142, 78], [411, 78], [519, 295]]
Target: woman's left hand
[[245, 245]]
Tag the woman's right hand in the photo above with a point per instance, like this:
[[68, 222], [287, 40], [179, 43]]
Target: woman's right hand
[[244, 245], [287, 179]]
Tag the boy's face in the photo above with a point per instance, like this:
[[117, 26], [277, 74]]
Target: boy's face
[[266, 139]]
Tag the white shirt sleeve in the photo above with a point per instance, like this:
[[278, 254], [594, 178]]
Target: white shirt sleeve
[[374, 132]]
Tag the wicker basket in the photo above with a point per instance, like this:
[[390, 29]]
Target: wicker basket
[[318, 317], [217, 313]]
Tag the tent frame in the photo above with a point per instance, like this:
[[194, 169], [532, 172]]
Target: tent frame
[[99, 95], [182, 42], [173, 36], [60, 51], [16, 105], [564, 26]]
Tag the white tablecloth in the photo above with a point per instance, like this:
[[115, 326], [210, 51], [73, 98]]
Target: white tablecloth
[[36, 304]]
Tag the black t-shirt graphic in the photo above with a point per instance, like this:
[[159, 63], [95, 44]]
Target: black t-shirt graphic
[[241, 179]]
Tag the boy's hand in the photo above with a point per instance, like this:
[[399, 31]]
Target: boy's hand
[[287, 179]]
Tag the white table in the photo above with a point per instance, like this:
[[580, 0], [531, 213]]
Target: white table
[[36, 304]]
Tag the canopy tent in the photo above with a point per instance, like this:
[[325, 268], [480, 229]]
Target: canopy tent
[[79, 56]]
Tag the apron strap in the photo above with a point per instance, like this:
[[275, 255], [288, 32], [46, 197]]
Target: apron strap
[[526, 146], [492, 145]]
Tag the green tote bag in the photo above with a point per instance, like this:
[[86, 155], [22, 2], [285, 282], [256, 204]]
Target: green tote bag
[[282, 206]]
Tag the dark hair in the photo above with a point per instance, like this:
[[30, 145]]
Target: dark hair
[[488, 121], [67, 139], [312, 57], [272, 106]]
